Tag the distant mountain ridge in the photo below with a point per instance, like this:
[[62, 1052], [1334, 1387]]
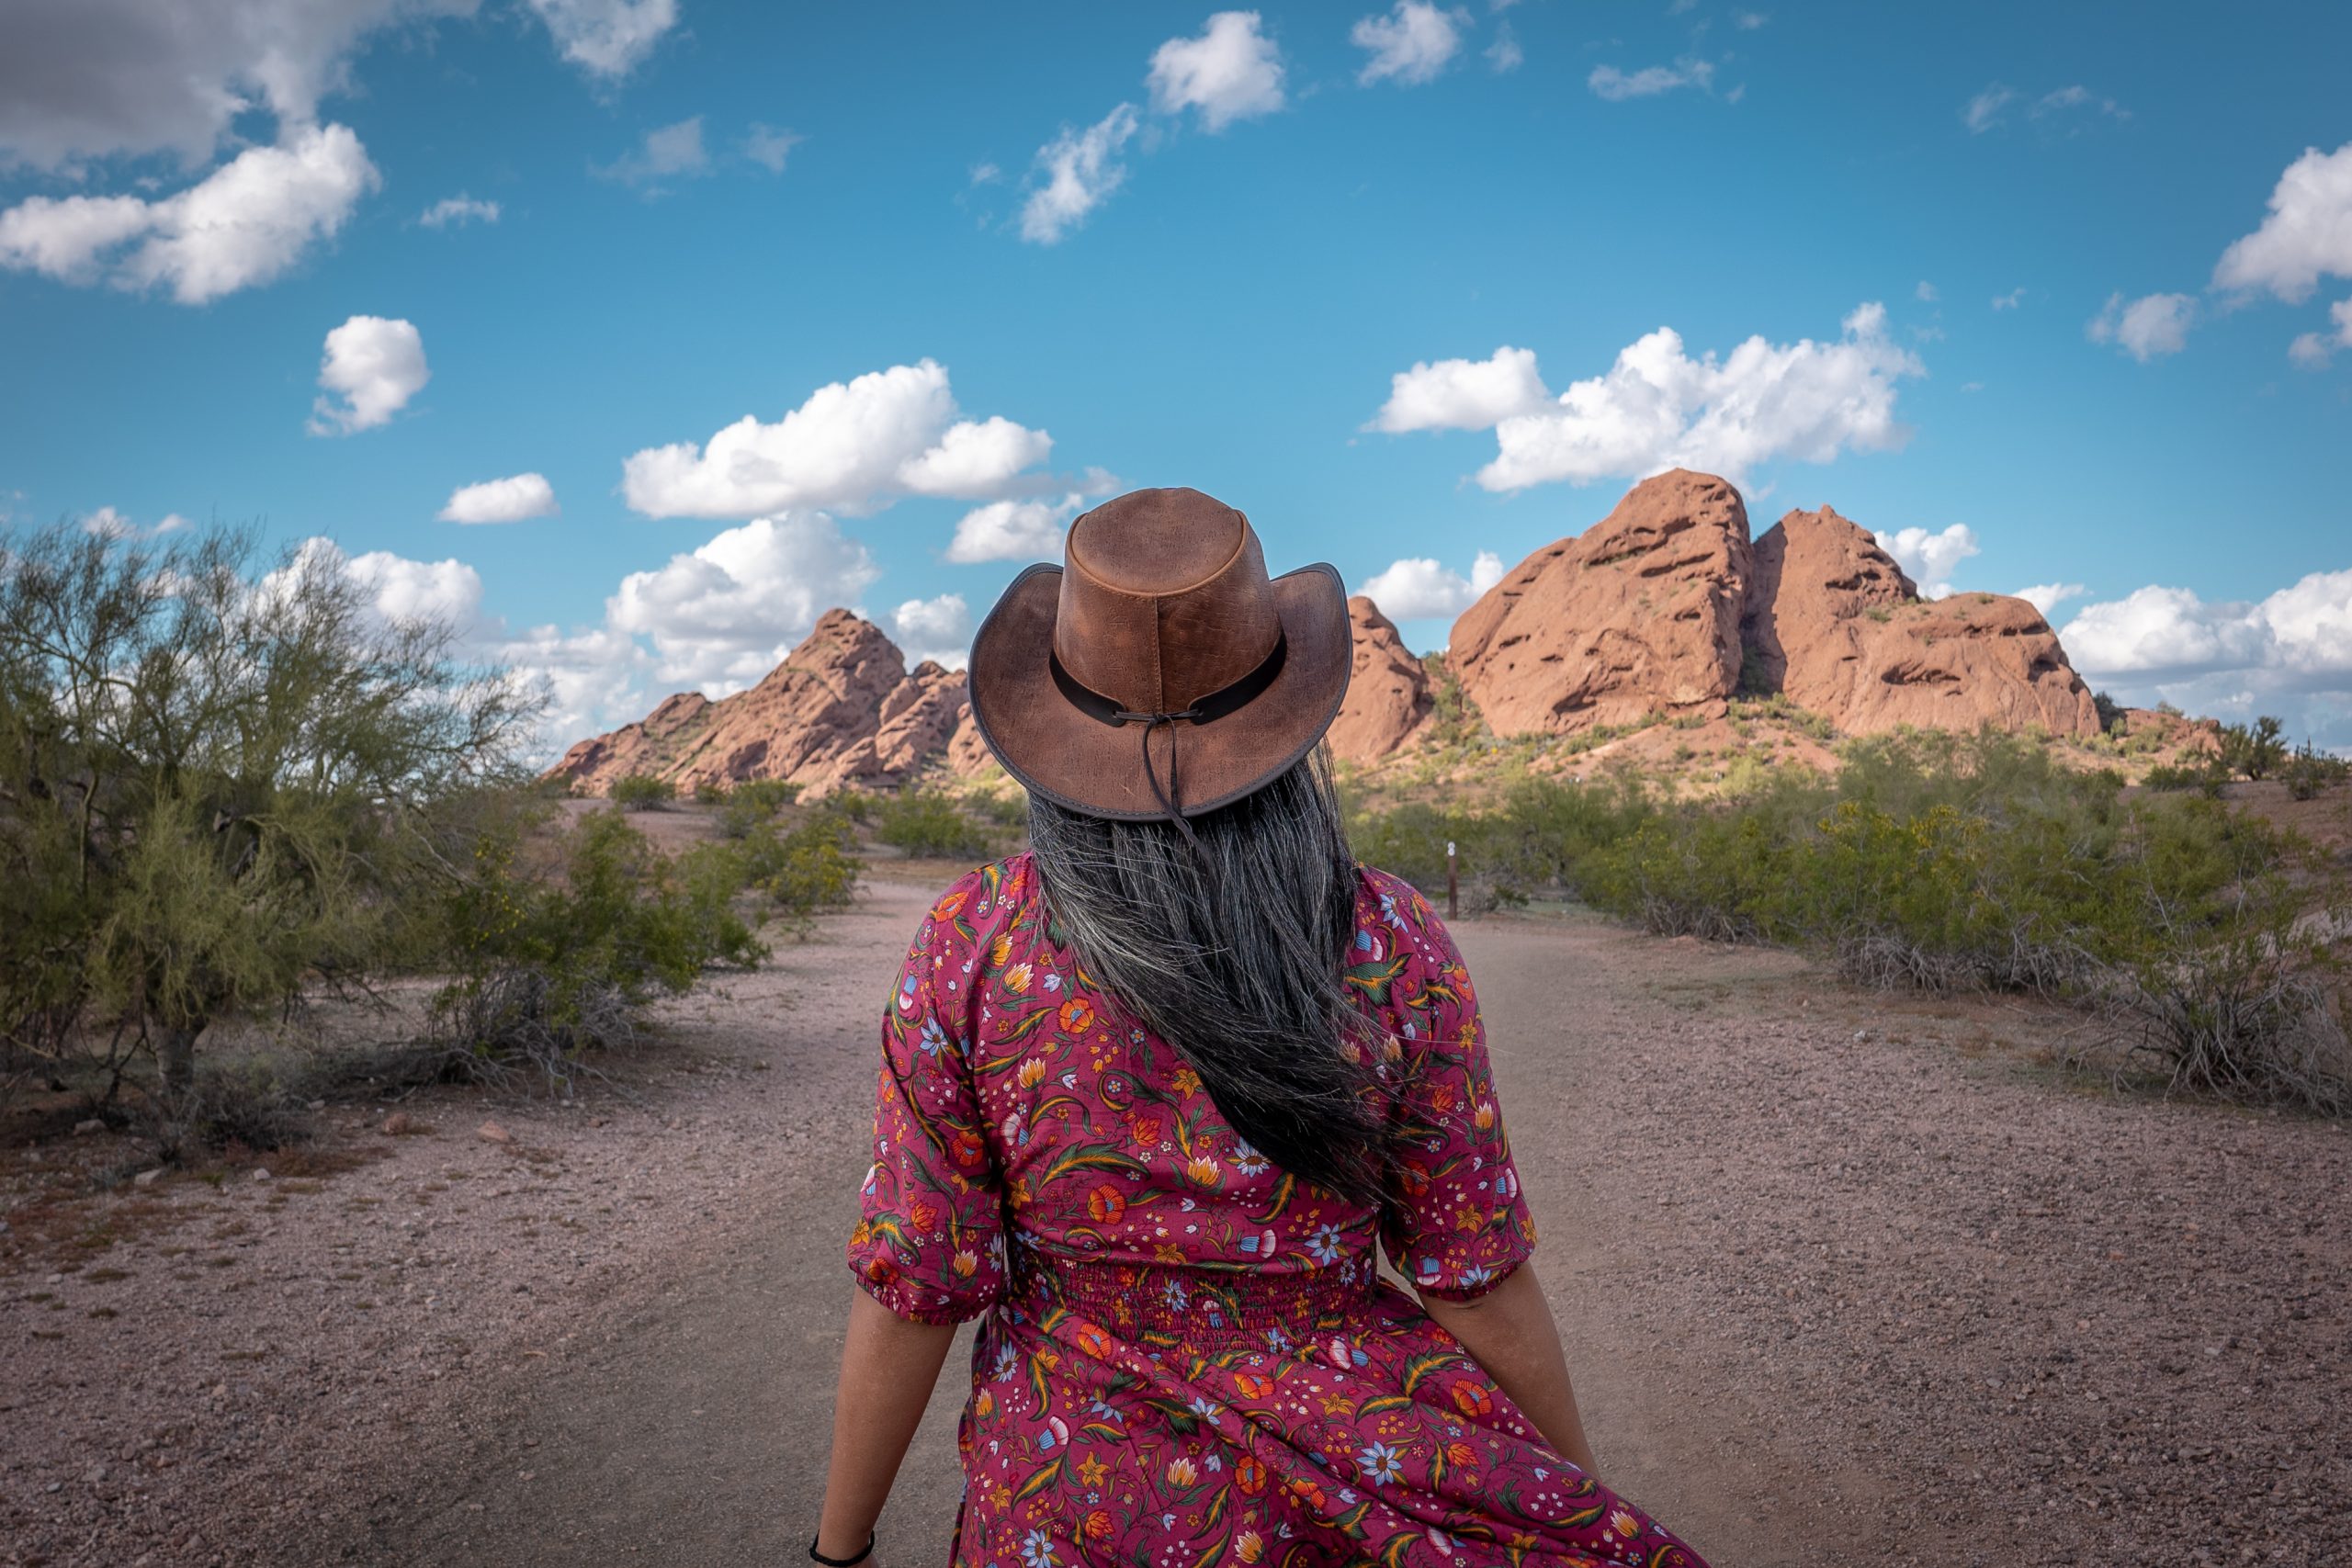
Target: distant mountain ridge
[[1666, 607]]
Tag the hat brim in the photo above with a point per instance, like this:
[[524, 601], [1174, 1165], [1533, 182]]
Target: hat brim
[[1080, 762]]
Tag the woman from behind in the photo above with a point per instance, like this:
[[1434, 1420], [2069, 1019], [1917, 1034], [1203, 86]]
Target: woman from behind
[[1154, 1094]]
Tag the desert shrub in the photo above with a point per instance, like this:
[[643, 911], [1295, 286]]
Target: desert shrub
[[709, 792], [642, 792], [253, 1104], [2308, 772], [2205, 778], [1005, 809], [1946, 862], [850, 804], [929, 825], [2110, 712], [215, 792], [549, 969], [811, 867], [2255, 750], [753, 802]]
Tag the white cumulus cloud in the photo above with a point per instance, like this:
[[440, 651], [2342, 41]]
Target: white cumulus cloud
[[1232, 71], [726, 613], [2047, 596], [243, 224], [1929, 559], [510, 499], [853, 447], [1463, 394], [606, 37], [1616, 86], [374, 365], [1077, 171], [2313, 350], [1012, 530], [667, 153], [1983, 112], [83, 79], [1411, 44], [2307, 234], [938, 629], [457, 209], [2147, 328], [2157, 633], [1658, 408], [769, 147], [1421, 589]]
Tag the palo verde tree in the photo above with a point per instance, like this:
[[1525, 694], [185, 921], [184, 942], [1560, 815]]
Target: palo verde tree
[[217, 786]]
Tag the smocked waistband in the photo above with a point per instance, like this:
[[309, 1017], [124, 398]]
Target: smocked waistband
[[1187, 1302]]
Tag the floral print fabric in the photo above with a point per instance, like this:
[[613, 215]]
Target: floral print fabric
[[1191, 1358]]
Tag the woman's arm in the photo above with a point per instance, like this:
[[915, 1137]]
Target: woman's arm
[[888, 1365], [1509, 1332]]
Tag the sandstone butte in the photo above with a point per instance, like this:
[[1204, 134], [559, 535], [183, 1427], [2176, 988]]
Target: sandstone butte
[[1666, 606]]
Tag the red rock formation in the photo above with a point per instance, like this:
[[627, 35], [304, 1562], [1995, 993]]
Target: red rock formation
[[1814, 572], [966, 753], [1388, 695], [919, 717], [1664, 606], [841, 708], [1833, 622], [1638, 615]]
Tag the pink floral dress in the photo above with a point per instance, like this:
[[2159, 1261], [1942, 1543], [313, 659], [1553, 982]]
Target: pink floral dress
[[1191, 1357]]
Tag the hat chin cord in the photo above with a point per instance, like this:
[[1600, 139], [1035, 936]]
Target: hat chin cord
[[1204, 710], [1168, 798]]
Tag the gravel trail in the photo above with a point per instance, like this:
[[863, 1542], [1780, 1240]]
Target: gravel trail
[[1845, 1280]]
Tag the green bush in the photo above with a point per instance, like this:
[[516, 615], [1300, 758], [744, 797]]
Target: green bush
[[2207, 777], [1000, 808], [2256, 750], [753, 803], [214, 798], [851, 804], [642, 792], [549, 969], [1947, 861], [814, 866], [710, 792], [2308, 772], [929, 825]]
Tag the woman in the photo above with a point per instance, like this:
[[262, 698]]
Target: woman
[[1156, 1090]]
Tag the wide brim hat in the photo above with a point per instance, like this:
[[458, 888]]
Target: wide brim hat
[[1158, 673]]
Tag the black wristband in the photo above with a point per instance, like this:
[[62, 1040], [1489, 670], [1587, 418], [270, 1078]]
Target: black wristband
[[817, 1556]]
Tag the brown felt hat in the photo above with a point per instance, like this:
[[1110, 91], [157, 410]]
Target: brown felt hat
[[1158, 672]]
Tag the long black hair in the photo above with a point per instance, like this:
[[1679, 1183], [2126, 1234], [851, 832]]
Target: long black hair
[[1229, 948]]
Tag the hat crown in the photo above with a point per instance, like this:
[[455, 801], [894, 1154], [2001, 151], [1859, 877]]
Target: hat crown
[[1164, 598]]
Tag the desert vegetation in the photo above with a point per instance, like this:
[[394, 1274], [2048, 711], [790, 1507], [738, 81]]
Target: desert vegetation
[[233, 795], [2204, 933]]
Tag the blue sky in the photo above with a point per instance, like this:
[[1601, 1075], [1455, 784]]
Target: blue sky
[[2048, 296]]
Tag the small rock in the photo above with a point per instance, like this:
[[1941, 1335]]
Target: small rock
[[491, 1133], [94, 1124], [261, 1173], [318, 1105], [398, 1124], [148, 1178]]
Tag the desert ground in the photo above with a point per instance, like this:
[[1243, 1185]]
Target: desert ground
[[1845, 1279]]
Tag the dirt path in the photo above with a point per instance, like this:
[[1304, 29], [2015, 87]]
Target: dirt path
[[1843, 1283]]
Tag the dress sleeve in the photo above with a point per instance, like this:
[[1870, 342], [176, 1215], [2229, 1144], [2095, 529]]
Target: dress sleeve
[[929, 1237], [1457, 1222]]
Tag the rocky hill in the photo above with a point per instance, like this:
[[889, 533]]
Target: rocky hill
[[842, 708], [1667, 606]]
